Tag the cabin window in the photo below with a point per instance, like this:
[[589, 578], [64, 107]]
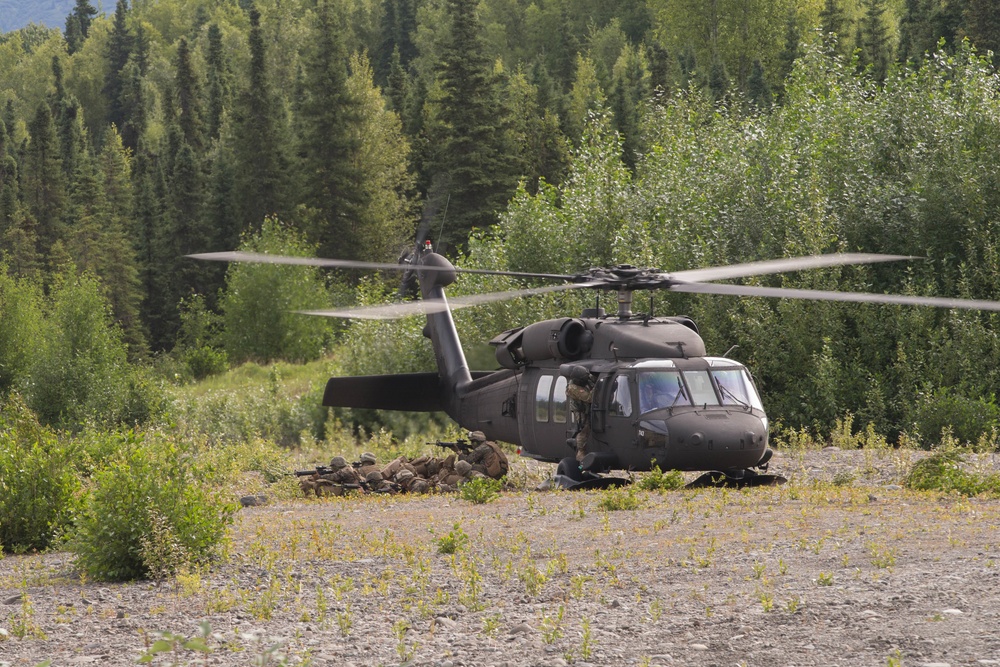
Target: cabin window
[[700, 385], [542, 398], [621, 398], [559, 403], [736, 388], [661, 389]]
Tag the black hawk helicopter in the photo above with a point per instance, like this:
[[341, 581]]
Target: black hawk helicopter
[[657, 397]]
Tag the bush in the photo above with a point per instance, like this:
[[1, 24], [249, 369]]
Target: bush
[[480, 490], [260, 301], [943, 471], [152, 508], [657, 480], [619, 498], [39, 484], [968, 419], [21, 314]]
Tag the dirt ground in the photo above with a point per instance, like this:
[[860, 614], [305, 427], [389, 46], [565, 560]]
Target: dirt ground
[[841, 566]]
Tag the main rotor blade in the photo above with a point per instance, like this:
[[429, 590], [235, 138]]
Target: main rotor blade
[[824, 295], [782, 265], [263, 258], [394, 311]]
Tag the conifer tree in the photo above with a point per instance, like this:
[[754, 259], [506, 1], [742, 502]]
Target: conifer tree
[[758, 92], [629, 92], [873, 39], [982, 24], [833, 20], [259, 145], [329, 141], [43, 182], [468, 164], [120, 45], [78, 25], [188, 97], [218, 81]]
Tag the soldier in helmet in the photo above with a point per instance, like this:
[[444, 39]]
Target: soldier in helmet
[[368, 464], [487, 457], [341, 476], [580, 392]]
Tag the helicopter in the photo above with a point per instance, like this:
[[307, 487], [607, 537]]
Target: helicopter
[[657, 398]]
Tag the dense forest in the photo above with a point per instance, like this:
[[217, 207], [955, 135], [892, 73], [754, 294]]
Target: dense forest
[[546, 136]]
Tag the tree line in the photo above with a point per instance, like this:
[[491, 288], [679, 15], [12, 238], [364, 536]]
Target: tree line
[[342, 127]]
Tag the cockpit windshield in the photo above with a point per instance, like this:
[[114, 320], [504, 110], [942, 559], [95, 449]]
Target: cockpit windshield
[[718, 386], [661, 389]]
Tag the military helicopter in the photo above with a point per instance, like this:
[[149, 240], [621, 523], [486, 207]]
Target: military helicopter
[[658, 398]]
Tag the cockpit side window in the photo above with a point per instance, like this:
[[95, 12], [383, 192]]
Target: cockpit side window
[[621, 398]]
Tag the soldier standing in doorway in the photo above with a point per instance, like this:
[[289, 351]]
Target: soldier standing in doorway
[[580, 392]]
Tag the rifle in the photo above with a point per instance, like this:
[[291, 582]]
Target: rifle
[[460, 446], [318, 470]]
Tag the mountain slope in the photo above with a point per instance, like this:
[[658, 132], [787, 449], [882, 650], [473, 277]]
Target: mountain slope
[[16, 14]]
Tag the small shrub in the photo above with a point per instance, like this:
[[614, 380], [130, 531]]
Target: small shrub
[[454, 541], [657, 480], [152, 500], [619, 498], [39, 483], [481, 490], [942, 471]]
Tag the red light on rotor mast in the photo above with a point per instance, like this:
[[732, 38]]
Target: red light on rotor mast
[[427, 245], [518, 451]]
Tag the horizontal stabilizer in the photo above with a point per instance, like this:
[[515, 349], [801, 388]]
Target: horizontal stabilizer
[[415, 392]]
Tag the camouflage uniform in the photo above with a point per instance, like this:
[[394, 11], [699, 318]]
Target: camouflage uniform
[[340, 478], [368, 464], [487, 458], [581, 395]]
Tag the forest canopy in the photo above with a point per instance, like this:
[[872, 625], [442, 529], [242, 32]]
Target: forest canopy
[[541, 136]]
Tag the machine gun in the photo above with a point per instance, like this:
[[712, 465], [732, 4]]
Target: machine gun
[[318, 470], [460, 446]]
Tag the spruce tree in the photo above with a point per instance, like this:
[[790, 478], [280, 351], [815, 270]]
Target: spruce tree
[[982, 24], [259, 144], [218, 82], [873, 39], [758, 91], [328, 123], [833, 21], [120, 45], [188, 93], [84, 13], [43, 181], [469, 165]]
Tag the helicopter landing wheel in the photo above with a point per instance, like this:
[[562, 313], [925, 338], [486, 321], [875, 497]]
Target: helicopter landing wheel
[[569, 467]]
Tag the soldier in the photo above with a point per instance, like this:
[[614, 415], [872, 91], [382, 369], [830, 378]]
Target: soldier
[[340, 478], [580, 392], [487, 457], [376, 484], [368, 464]]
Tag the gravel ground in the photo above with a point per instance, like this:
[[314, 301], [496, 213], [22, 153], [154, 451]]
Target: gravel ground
[[857, 572]]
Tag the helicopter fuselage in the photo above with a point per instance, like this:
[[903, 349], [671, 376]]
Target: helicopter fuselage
[[657, 399]]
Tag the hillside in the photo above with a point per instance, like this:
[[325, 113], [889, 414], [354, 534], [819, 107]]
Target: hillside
[[15, 14]]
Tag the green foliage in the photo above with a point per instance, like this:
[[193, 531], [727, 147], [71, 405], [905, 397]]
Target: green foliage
[[657, 480], [480, 490], [967, 419], [617, 498], [80, 373], [196, 340], [39, 482], [943, 471], [260, 301], [454, 541], [152, 507], [21, 314]]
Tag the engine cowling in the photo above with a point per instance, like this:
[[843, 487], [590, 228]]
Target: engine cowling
[[566, 338]]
